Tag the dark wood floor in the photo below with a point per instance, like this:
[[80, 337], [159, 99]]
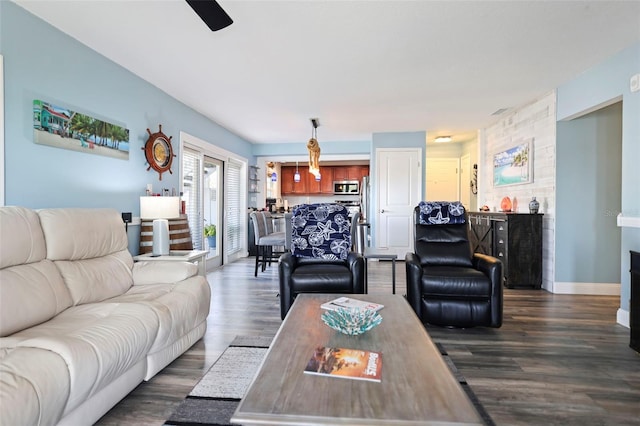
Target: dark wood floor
[[557, 360]]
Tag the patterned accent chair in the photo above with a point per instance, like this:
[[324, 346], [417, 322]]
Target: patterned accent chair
[[320, 259], [447, 285]]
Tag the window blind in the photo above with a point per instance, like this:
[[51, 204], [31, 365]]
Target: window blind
[[234, 217], [192, 194]]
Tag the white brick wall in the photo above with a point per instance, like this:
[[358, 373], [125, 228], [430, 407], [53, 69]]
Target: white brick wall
[[536, 121]]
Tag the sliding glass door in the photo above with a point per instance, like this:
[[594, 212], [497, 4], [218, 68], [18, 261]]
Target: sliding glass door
[[214, 190], [213, 204]]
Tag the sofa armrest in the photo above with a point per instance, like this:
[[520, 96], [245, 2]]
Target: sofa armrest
[[162, 272], [414, 278]]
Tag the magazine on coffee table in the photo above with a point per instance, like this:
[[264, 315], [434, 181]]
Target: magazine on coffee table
[[346, 363], [349, 303]]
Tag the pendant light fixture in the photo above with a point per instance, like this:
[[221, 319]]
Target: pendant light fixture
[[314, 149], [296, 176], [271, 171]]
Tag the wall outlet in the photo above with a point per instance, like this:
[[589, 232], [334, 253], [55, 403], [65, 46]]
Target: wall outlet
[[127, 217]]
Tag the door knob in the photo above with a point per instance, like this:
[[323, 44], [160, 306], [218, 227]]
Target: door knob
[[382, 211]]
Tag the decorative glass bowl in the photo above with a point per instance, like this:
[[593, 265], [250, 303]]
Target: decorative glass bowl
[[352, 321]]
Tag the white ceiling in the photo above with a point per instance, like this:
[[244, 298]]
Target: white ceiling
[[361, 67]]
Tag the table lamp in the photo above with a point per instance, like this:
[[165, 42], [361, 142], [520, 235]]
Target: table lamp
[[160, 209]]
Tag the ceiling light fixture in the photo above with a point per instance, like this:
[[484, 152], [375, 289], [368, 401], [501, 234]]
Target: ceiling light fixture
[[443, 139], [314, 149]]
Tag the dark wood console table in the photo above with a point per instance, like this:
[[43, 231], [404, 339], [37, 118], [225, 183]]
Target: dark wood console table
[[515, 239]]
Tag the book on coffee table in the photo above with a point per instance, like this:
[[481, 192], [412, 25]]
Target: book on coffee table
[[349, 303], [346, 363]]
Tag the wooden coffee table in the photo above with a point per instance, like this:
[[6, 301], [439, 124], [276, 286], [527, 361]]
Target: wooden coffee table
[[417, 387]]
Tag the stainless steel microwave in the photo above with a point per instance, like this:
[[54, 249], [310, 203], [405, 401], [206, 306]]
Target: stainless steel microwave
[[346, 187]]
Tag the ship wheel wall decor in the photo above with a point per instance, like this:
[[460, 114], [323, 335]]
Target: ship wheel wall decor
[[158, 152]]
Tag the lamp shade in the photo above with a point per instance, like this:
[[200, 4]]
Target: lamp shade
[[159, 207]]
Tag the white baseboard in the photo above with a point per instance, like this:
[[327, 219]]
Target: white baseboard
[[596, 289], [622, 317]]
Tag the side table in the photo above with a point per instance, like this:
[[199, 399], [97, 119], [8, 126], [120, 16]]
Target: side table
[[373, 253], [193, 256]]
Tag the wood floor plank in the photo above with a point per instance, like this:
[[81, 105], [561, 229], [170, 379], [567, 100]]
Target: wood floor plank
[[557, 359]]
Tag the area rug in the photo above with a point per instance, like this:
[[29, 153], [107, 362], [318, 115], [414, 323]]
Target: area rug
[[215, 397]]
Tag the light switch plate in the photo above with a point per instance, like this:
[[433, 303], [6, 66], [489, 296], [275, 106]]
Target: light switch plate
[[634, 83]]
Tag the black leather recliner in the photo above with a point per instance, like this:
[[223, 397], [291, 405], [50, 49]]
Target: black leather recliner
[[325, 274], [447, 285]]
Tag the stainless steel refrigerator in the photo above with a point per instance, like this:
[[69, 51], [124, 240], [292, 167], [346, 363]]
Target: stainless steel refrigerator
[[365, 198], [364, 228]]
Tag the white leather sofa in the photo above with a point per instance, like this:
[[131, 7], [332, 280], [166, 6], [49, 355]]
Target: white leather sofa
[[81, 325]]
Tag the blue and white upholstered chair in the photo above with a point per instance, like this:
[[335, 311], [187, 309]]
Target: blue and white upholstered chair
[[320, 259]]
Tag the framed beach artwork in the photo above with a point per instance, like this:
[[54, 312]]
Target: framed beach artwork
[[514, 166], [61, 127]]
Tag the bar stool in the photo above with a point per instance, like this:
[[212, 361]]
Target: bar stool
[[264, 242]]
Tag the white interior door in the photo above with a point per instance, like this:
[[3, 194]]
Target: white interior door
[[442, 179], [399, 182]]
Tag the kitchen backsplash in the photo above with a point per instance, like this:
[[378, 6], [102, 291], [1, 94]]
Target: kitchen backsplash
[[310, 199]]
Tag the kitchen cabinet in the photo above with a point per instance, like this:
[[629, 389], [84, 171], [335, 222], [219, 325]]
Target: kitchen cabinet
[[325, 185], [515, 239], [308, 184], [349, 172], [288, 186]]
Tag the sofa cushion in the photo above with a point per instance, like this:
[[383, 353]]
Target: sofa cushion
[[29, 295], [75, 234], [180, 306], [95, 280], [98, 342], [37, 381], [26, 275], [89, 247], [22, 238]]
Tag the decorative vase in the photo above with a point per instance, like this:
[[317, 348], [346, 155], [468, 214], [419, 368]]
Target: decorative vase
[[212, 242], [534, 205]]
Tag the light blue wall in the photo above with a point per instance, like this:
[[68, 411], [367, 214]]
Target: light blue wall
[[41, 62], [327, 148], [588, 198], [598, 86]]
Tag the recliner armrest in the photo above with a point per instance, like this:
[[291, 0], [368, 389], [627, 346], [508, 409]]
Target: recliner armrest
[[490, 266], [414, 278], [286, 265], [356, 266]]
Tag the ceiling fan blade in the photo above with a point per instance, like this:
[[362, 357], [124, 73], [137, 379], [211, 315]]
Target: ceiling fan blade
[[211, 13]]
